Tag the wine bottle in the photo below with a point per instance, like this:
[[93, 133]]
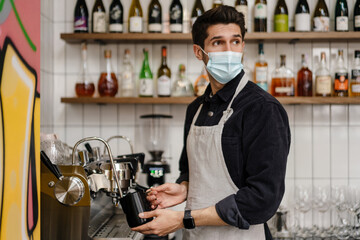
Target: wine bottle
[[341, 82], [302, 17], [217, 3], [357, 16], [155, 17], [176, 17], [127, 77], [355, 76], [98, 17], [81, 17], [84, 86], [242, 7], [108, 84], [182, 86], [304, 79], [164, 76], [146, 83], [283, 81], [341, 16], [116, 19], [321, 17], [322, 79], [281, 17], [135, 17], [197, 11], [260, 16], [261, 70]]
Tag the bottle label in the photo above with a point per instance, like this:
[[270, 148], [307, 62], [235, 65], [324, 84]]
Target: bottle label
[[136, 24], [201, 90], [321, 24], [323, 85], [341, 82], [281, 23], [302, 22], [357, 21], [244, 10], [99, 22], [146, 87], [164, 86], [155, 27], [355, 75], [282, 90], [176, 27], [342, 23], [175, 13], [80, 24], [355, 88], [115, 14], [261, 74], [260, 11], [127, 80], [116, 27], [263, 85]]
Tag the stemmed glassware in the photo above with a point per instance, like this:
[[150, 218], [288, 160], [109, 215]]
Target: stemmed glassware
[[303, 204], [321, 201], [340, 202], [354, 195]]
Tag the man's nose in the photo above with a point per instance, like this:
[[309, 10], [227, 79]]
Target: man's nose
[[228, 46]]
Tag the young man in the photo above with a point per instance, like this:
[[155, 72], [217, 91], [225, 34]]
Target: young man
[[236, 144]]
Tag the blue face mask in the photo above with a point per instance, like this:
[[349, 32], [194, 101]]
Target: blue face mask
[[224, 66]]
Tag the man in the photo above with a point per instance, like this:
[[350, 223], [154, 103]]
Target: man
[[236, 144]]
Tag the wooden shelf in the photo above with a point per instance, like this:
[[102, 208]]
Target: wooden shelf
[[187, 100], [186, 37]]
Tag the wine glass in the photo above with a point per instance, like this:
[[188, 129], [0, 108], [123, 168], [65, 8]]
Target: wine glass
[[303, 204], [321, 201], [340, 204], [354, 193]]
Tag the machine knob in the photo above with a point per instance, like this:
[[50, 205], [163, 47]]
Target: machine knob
[[69, 191]]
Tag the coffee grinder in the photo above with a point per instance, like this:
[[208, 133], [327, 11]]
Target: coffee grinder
[[155, 133]]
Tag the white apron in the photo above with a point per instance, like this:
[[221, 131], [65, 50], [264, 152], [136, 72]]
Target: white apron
[[210, 181]]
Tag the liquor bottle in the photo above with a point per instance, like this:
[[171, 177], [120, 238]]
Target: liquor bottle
[[260, 16], [322, 79], [81, 17], [116, 17], [201, 83], [217, 3], [341, 80], [98, 17], [261, 70], [135, 17], [176, 17], [182, 86], [357, 16], [283, 81], [304, 79], [355, 76], [146, 83], [164, 76], [197, 11], [127, 77], [242, 6], [302, 17], [155, 17], [84, 86], [341, 16], [281, 17], [321, 17], [108, 84]]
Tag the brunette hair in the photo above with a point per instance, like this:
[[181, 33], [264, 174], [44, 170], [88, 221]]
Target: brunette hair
[[219, 15]]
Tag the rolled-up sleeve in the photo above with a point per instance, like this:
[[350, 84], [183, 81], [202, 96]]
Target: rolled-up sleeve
[[265, 143]]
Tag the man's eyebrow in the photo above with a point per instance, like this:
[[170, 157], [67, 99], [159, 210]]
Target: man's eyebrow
[[219, 37]]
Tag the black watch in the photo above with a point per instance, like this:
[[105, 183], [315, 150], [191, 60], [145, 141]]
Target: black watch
[[188, 220]]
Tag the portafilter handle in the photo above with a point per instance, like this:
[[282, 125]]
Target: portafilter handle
[[110, 156]]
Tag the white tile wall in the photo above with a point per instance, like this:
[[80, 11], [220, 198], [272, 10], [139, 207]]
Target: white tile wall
[[325, 138]]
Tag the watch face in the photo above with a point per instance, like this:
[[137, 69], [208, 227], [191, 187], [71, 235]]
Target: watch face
[[189, 223]]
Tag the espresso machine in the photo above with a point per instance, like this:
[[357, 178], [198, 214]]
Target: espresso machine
[[155, 133], [94, 197]]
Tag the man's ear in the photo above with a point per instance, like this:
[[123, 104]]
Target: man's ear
[[197, 51]]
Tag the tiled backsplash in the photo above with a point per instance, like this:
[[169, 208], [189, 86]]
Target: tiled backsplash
[[325, 146]]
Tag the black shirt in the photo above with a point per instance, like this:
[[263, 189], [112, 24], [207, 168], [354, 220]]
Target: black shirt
[[255, 143]]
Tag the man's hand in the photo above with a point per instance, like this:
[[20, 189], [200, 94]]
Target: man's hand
[[165, 222], [167, 195]]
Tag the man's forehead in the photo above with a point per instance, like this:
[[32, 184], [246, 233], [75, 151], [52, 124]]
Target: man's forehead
[[223, 30]]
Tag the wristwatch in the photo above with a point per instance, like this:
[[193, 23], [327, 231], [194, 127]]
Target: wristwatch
[[188, 220]]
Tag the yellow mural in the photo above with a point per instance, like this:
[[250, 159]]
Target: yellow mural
[[19, 161]]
